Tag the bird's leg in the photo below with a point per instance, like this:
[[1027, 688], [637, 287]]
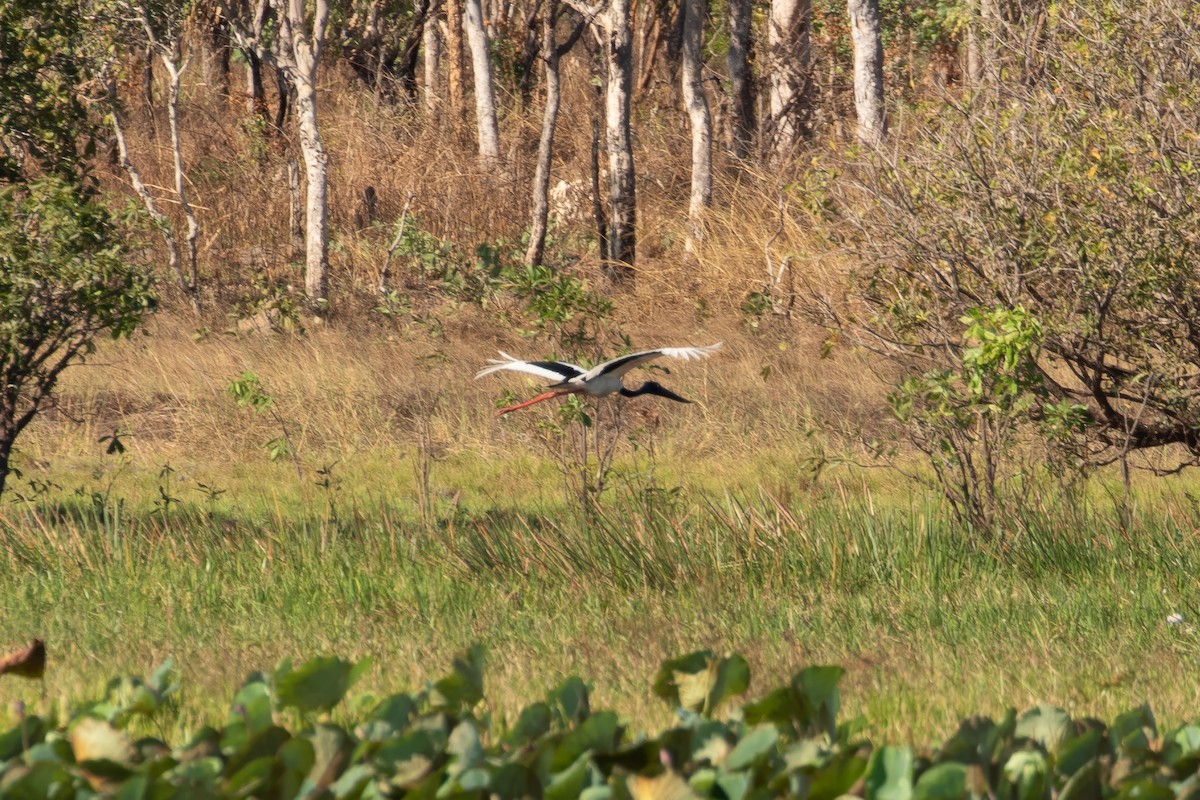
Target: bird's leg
[[527, 403]]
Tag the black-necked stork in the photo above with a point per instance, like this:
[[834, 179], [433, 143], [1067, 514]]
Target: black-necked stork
[[600, 380]]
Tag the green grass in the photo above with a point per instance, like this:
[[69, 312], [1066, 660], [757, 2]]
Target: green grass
[[931, 625]]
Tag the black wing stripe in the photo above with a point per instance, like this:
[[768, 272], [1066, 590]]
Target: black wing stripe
[[617, 363], [568, 371]]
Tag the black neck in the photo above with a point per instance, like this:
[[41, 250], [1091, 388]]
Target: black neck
[[655, 388]]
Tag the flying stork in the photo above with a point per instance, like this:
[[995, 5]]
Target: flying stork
[[599, 381]]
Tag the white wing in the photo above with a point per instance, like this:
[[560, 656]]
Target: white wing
[[556, 371], [619, 366]]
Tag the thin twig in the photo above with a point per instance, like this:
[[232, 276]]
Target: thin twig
[[386, 272]]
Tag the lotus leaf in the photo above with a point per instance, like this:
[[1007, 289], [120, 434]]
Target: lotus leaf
[[890, 774]]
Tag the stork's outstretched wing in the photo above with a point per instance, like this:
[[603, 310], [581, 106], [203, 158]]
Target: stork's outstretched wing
[[619, 366], [556, 371]]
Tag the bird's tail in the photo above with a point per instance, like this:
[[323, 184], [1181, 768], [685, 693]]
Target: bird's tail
[[497, 364]]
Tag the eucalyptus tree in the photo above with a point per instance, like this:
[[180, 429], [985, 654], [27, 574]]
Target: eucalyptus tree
[[694, 13], [431, 50], [453, 35], [301, 44], [485, 99], [552, 52], [741, 78], [611, 25], [789, 64], [298, 43], [156, 26], [867, 37]]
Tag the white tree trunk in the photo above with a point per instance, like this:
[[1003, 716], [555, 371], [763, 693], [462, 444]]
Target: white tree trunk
[[301, 55], [431, 44], [612, 25], [741, 80], [454, 55], [165, 44], [174, 73], [485, 100], [622, 183], [694, 100], [868, 70], [541, 178], [789, 42]]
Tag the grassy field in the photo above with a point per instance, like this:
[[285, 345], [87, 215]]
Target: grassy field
[[418, 525]]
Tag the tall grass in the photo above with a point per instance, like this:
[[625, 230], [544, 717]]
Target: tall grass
[[931, 624]]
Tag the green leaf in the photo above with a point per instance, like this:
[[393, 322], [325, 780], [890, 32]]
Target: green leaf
[[1084, 784], [318, 685], [942, 782], [700, 681], [570, 701], [568, 783], [735, 785], [463, 687], [753, 748], [465, 747], [1075, 753], [1047, 725], [837, 777], [1145, 790], [388, 718], [38, 782], [533, 723], [599, 732], [890, 774], [1134, 729], [1026, 775]]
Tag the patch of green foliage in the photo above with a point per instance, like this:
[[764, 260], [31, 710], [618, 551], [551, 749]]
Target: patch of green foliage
[[553, 298], [280, 740]]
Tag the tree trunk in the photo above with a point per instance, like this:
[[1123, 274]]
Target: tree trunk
[[7, 437], [303, 50], [148, 84], [431, 47], [598, 214], [283, 90], [248, 39], [216, 49], [167, 46], [485, 100], [174, 73], [142, 191], [741, 79], [697, 109], [256, 96], [454, 53], [790, 44], [622, 186], [868, 70], [980, 40], [541, 178], [295, 208]]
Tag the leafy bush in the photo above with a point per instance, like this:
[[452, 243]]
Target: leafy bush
[[1064, 193], [553, 298], [440, 742], [63, 281]]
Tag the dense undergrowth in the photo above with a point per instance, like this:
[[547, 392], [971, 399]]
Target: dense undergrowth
[[294, 733]]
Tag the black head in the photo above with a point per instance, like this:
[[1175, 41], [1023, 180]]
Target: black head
[[655, 388]]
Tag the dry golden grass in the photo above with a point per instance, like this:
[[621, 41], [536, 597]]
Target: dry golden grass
[[363, 395], [238, 180]]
